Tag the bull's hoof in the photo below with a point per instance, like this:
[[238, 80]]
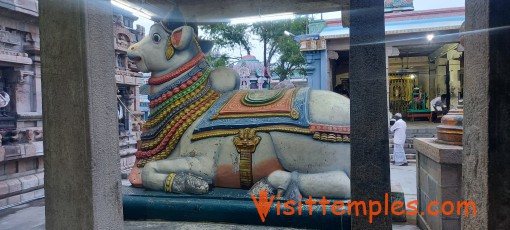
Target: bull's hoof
[[190, 184], [261, 185], [292, 192]]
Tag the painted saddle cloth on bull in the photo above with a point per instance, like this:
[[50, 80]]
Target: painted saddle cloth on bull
[[283, 110]]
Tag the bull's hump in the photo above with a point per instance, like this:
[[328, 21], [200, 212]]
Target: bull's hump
[[224, 80]]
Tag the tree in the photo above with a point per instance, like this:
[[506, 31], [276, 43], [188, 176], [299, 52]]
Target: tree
[[269, 32], [229, 36], [272, 36], [219, 60], [290, 61]]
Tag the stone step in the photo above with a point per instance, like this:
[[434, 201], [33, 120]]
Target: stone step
[[408, 160], [410, 138], [421, 131], [406, 146], [408, 156]]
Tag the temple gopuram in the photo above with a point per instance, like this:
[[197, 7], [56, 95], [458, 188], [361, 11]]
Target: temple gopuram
[[252, 74], [21, 131]]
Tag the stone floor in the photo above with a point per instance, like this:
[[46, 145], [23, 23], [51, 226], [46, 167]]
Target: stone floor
[[31, 215], [406, 177]]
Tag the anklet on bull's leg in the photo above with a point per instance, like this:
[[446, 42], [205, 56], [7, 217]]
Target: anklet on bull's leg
[[187, 183], [168, 182]]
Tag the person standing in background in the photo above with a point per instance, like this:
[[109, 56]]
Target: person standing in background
[[438, 106], [399, 138]]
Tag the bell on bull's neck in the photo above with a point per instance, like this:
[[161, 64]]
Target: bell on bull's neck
[[450, 131]]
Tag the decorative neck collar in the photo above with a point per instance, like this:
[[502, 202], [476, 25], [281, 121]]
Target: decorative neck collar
[[191, 74], [169, 76], [174, 109]]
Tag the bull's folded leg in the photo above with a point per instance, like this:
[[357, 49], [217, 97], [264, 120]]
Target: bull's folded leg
[[286, 183], [180, 175], [186, 183], [334, 184], [280, 180]]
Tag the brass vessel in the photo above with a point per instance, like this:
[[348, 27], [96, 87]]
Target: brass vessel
[[450, 131]]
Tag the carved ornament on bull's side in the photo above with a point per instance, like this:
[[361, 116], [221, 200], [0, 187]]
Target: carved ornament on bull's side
[[246, 144]]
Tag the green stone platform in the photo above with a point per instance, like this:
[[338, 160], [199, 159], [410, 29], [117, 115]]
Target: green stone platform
[[222, 205]]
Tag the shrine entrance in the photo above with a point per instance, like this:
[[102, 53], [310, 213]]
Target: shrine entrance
[[420, 75]]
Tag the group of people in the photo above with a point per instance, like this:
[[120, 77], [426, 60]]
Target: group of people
[[399, 126]]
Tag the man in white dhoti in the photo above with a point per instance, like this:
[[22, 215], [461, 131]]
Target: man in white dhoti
[[399, 138]]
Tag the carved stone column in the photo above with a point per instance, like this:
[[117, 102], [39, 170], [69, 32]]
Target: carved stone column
[[370, 167], [81, 146], [485, 170]]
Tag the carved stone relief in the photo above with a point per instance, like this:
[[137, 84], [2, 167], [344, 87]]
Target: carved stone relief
[[10, 47]]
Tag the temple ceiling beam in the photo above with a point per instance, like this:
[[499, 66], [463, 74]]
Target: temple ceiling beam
[[212, 11]]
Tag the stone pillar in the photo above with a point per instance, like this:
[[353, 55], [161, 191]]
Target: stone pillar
[[438, 176], [324, 73], [313, 68], [370, 170], [82, 175], [485, 170], [317, 69]]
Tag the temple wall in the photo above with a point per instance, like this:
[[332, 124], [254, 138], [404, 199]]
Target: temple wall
[[21, 133], [128, 81]]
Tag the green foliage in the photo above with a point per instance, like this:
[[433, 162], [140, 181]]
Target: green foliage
[[229, 36], [221, 60], [290, 61], [271, 34]]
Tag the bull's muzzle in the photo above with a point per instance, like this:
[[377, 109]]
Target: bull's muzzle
[[134, 57]]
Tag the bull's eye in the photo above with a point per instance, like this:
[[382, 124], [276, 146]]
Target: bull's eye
[[156, 38]]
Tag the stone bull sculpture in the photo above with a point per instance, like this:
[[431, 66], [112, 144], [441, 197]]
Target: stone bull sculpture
[[202, 131]]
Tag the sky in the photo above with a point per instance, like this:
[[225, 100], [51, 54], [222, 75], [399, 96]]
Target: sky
[[257, 50]]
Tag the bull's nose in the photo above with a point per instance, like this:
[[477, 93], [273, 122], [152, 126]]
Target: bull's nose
[[134, 57]]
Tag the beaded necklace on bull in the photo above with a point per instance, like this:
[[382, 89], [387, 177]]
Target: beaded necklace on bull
[[177, 106]]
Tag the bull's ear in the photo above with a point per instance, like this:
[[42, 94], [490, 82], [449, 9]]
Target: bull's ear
[[181, 37]]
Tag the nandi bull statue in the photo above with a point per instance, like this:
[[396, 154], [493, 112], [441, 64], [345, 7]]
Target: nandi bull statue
[[203, 132]]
